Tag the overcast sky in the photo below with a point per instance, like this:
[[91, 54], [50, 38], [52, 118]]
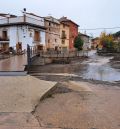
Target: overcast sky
[[86, 13]]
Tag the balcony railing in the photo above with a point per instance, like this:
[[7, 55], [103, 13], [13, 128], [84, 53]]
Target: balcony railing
[[4, 39], [22, 19], [63, 36]]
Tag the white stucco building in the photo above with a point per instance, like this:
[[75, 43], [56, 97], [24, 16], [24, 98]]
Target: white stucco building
[[18, 31], [86, 40]]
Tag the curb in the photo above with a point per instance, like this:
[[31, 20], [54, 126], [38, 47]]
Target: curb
[[49, 92]]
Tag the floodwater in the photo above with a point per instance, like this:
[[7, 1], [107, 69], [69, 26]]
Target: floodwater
[[98, 68], [94, 68]]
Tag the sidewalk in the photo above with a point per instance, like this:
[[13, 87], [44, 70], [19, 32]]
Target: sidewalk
[[18, 98], [15, 63]]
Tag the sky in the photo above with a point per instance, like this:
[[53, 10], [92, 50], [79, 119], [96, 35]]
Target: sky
[[89, 14]]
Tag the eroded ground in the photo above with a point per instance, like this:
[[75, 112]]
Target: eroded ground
[[87, 96], [82, 106]]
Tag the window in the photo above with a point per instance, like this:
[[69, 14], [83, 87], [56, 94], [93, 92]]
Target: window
[[63, 41], [37, 36], [55, 40], [63, 35], [49, 24], [4, 35], [63, 26], [48, 40], [49, 29]]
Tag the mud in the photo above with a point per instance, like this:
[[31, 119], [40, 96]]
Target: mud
[[80, 100], [65, 79], [84, 107], [115, 62], [95, 68]]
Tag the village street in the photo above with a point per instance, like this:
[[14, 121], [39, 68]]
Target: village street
[[77, 104], [86, 96], [73, 105], [59, 64], [94, 68], [81, 105]]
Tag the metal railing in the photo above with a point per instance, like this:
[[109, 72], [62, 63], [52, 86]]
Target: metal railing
[[33, 51], [4, 54], [21, 19]]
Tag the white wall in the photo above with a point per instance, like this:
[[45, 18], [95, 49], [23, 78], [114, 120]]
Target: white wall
[[42, 35], [19, 34], [13, 36], [35, 20], [29, 18], [22, 34], [86, 41]]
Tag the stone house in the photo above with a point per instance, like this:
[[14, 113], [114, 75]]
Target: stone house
[[52, 33], [64, 36], [86, 40], [18, 31], [95, 42], [73, 31]]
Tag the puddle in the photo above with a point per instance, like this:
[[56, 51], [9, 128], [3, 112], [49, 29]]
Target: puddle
[[98, 68], [102, 73], [95, 67]]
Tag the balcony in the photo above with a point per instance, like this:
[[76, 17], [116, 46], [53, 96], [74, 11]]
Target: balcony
[[22, 19], [4, 44], [4, 39]]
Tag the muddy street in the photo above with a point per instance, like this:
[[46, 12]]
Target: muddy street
[[82, 106], [86, 96], [97, 68]]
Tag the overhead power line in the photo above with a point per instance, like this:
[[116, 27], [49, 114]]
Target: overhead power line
[[111, 28]]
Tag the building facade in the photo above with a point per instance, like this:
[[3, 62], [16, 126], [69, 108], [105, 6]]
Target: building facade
[[95, 43], [18, 31], [52, 33], [64, 36], [73, 31], [86, 40]]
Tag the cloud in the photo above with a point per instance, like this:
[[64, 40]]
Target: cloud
[[87, 13]]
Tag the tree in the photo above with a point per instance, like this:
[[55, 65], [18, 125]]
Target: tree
[[78, 43], [106, 40], [117, 34]]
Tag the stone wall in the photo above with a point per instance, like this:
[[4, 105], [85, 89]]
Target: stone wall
[[39, 61]]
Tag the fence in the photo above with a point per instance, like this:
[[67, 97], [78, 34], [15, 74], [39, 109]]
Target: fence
[[32, 52], [55, 54], [4, 55]]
